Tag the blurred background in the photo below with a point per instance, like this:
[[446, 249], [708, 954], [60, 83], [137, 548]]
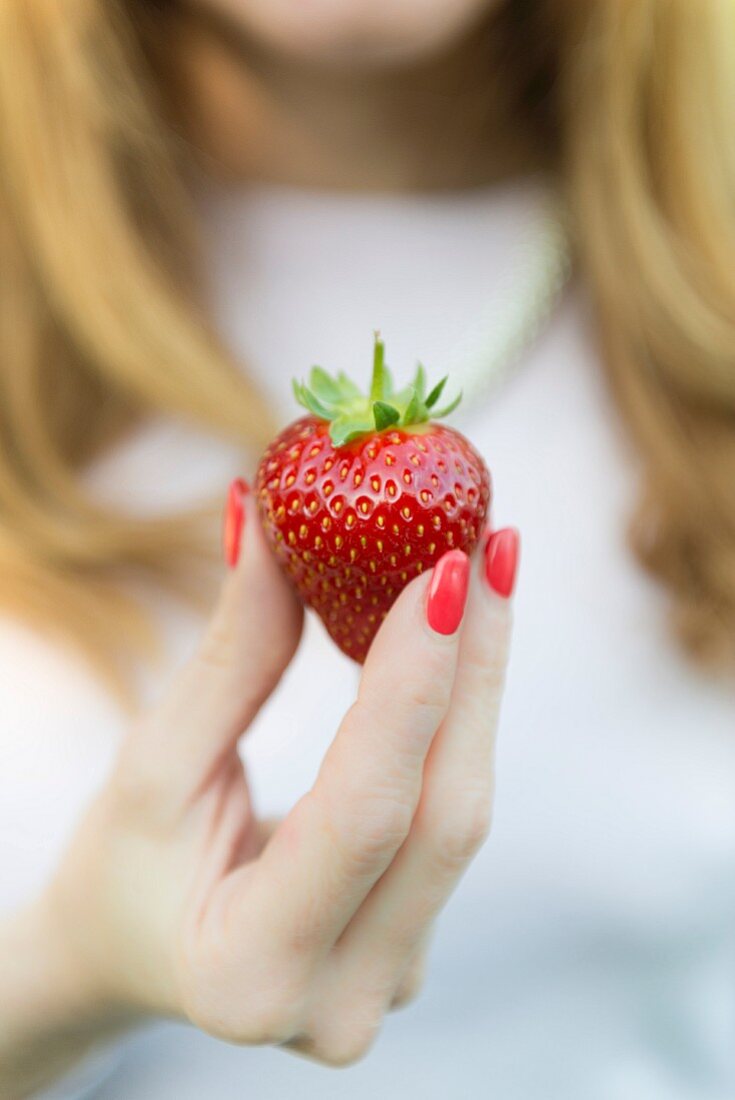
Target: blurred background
[[199, 199]]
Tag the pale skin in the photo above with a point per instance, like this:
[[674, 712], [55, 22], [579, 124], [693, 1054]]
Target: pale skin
[[173, 899]]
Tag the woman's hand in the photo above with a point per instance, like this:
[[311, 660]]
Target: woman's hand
[[174, 899]]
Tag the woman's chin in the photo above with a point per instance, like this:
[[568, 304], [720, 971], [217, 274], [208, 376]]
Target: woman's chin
[[354, 32]]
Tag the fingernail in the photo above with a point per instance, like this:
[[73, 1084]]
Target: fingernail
[[234, 520], [501, 560], [448, 592]]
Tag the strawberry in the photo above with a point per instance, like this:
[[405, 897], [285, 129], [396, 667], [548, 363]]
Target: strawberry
[[365, 493]]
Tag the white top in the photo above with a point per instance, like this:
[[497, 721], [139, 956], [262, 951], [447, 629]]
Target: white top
[[590, 950]]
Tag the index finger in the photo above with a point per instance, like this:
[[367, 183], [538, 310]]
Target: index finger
[[340, 838]]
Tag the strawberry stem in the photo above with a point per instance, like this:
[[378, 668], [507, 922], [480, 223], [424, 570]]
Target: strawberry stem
[[351, 414], [377, 384]]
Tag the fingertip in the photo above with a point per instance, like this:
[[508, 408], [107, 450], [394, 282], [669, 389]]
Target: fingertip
[[234, 520], [255, 584], [501, 558], [447, 595]]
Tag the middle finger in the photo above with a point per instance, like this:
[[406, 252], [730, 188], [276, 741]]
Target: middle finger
[[384, 938]]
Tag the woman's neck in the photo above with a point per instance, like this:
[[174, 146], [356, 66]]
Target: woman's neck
[[439, 124]]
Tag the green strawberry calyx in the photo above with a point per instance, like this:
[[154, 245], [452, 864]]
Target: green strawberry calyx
[[352, 414]]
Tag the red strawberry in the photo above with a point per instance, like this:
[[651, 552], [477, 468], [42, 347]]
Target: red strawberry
[[365, 493]]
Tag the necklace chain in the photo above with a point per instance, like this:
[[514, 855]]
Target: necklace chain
[[494, 346]]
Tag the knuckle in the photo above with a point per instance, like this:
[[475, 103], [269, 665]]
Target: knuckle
[[268, 1020], [271, 1028], [487, 659], [282, 1006], [215, 648], [417, 703], [309, 929], [211, 970], [136, 788], [426, 705], [455, 838], [243, 689], [410, 986], [276, 1023], [376, 828], [368, 817], [345, 1045], [488, 669], [426, 698]]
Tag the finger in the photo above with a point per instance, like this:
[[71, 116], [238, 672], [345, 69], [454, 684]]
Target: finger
[[250, 638], [453, 814], [266, 828], [330, 850], [411, 981], [343, 1042]]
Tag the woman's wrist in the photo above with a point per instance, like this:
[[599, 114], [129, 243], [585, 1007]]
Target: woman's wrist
[[51, 1010]]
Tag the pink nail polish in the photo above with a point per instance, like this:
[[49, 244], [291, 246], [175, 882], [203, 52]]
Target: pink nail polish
[[448, 592], [501, 561], [234, 520]]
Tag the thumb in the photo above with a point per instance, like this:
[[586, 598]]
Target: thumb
[[256, 624], [250, 639]]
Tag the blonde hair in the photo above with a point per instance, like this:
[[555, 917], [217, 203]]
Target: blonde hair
[[100, 325], [99, 319], [650, 143]]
